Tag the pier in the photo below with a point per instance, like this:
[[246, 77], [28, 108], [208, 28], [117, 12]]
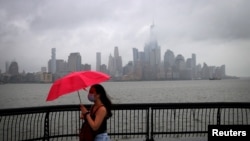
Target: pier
[[146, 121]]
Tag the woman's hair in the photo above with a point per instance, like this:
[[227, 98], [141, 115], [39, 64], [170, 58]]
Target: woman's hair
[[104, 98]]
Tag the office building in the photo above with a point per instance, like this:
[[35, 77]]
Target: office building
[[53, 60], [74, 62], [98, 61]]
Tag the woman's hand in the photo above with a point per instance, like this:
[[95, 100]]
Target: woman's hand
[[83, 110]]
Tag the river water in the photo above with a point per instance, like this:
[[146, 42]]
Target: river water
[[231, 90]]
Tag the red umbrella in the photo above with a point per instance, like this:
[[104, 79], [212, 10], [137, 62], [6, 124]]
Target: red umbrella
[[74, 82]]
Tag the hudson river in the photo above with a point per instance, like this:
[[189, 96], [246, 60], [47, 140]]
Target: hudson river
[[233, 90]]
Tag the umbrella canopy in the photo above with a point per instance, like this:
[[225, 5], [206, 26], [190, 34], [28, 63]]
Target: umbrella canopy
[[74, 82]]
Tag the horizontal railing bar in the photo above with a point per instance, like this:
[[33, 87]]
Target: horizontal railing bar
[[200, 105], [42, 109], [128, 107]]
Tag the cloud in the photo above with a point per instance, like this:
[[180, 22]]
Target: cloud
[[223, 20], [29, 31]]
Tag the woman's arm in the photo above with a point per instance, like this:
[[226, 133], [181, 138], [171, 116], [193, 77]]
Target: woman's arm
[[99, 117]]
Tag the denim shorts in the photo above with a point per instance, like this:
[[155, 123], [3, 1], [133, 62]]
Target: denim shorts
[[102, 137]]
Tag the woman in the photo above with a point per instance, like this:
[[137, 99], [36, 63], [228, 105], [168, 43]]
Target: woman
[[99, 113]]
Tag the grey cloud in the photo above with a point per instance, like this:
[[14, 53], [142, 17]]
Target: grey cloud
[[204, 20], [78, 25], [222, 20], [67, 15]]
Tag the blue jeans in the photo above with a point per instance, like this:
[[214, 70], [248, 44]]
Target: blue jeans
[[102, 137]]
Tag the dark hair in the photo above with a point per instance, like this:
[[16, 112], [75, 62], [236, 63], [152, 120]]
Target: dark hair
[[104, 98]]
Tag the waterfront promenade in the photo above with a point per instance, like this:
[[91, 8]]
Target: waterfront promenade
[[133, 122]]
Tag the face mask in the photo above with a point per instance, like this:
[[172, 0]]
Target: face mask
[[91, 97]]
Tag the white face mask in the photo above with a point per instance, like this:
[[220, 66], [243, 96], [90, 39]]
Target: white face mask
[[91, 97]]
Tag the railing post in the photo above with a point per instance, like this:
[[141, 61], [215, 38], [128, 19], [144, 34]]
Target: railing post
[[150, 117], [46, 127], [218, 116], [148, 125]]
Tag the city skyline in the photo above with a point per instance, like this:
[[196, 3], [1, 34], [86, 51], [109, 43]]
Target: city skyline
[[93, 67], [74, 62], [216, 31]]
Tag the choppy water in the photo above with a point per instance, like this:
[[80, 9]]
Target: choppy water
[[235, 90]]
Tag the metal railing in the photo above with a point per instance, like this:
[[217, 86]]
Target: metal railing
[[192, 119], [146, 121]]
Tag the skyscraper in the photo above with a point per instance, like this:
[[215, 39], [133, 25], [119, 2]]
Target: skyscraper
[[98, 61], [135, 55], [223, 71], [152, 56], [53, 60], [116, 52], [152, 49], [138, 60], [7, 65], [194, 71], [118, 63], [61, 66], [180, 62], [111, 65], [74, 62], [169, 59], [115, 64], [13, 69]]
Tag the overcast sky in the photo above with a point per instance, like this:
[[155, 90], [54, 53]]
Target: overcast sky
[[217, 31]]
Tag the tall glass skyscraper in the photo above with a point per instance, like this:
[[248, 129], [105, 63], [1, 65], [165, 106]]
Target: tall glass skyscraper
[[53, 60], [115, 64], [98, 61], [152, 50]]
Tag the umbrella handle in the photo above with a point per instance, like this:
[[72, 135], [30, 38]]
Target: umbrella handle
[[79, 97]]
